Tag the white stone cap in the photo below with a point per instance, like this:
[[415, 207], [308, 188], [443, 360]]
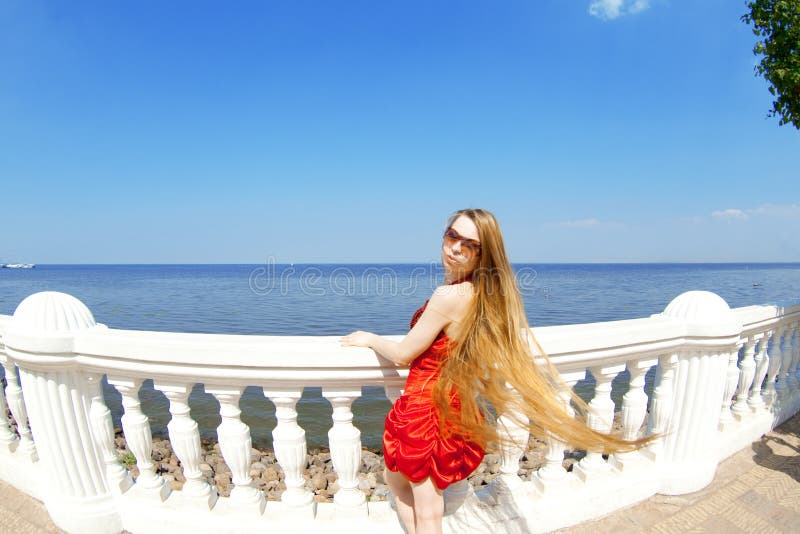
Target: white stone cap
[[705, 314], [47, 322]]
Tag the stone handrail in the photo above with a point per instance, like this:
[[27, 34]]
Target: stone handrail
[[723, 377]]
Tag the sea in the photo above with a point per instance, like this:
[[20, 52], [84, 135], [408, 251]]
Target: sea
[[335, 299]]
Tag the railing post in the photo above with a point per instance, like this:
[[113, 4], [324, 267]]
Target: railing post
[[16, 403], [772, 389], [781, 354], [747, 373], [513, 447], [291, 451], [634, 410], [794, 383], [8, 438], [600, 418], [662, 403], [345, 444], [756, 400], [786, 378], [119, 479], [185, 439], [236, 446], [731, 381], [136, 427], [552, 473], [712, 334], [41, 340]]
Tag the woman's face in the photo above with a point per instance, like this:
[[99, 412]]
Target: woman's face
[[461, 248]]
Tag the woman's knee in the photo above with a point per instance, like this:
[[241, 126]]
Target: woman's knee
[[428, 500], [428, 510]]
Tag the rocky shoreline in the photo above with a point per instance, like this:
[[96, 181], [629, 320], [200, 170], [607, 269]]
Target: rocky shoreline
[[319, 474]]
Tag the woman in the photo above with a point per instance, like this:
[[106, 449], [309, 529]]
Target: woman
[[469, 341]]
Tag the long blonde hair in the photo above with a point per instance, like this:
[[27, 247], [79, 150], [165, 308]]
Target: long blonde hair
[[492, 362]]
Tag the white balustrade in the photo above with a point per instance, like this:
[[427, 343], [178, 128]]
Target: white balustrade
[[784, 353], [731, 382], [661, 404], [345, 444], [67, 465], [747, 373], [119, 479], [392, 393], [62, 354], [795, 348], [600, 418], [785, 378], [8, 438], [552, 473], [514, 436], [772, 388], [756, 400], [16, 404], [634, 411], [236, 446], [291, 451], [139, 438], [184, 437], [512, 446]]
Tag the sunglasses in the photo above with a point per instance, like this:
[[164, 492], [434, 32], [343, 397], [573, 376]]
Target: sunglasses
[[469, 247]]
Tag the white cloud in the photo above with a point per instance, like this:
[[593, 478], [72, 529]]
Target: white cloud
[[579, 223], [638, 6], [782, 211], [612, 9], [730, 214]]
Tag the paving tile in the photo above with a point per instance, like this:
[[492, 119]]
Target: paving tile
[[717, 525], [755, 490]]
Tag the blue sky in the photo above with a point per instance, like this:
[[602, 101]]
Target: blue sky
[[347, 131]]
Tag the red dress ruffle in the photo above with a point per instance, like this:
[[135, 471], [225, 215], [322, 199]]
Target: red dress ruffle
[[412, 442]]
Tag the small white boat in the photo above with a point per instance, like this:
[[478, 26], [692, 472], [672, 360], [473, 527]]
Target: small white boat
[[19, 266]]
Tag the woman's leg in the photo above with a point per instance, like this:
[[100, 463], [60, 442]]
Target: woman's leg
[[428, 507], [401, 489]]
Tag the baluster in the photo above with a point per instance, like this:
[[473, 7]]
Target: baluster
[[795, 349], [119, 478], [634, 410], [289, 442], [16, 403], [781, 349], [553, 473], [393, 393], [600, 418], [136, 427], [784, 382], [731, 381], [345, 443], [236, 446], [747, 372], [663, 401], [184, 437], [756, 400], [8, 438], [513, 446], [772, 390]]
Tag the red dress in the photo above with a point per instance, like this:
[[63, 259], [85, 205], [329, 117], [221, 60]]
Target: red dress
[[412, 443]]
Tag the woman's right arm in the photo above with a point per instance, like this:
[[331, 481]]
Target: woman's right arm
[[438, 314]]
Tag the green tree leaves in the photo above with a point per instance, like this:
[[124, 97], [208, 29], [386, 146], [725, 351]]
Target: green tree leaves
[[777, 22]]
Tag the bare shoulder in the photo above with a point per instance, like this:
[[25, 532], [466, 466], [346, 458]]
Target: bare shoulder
[[453, 299]]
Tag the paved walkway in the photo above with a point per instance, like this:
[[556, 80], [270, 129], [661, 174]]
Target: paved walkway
[[755, 490]]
